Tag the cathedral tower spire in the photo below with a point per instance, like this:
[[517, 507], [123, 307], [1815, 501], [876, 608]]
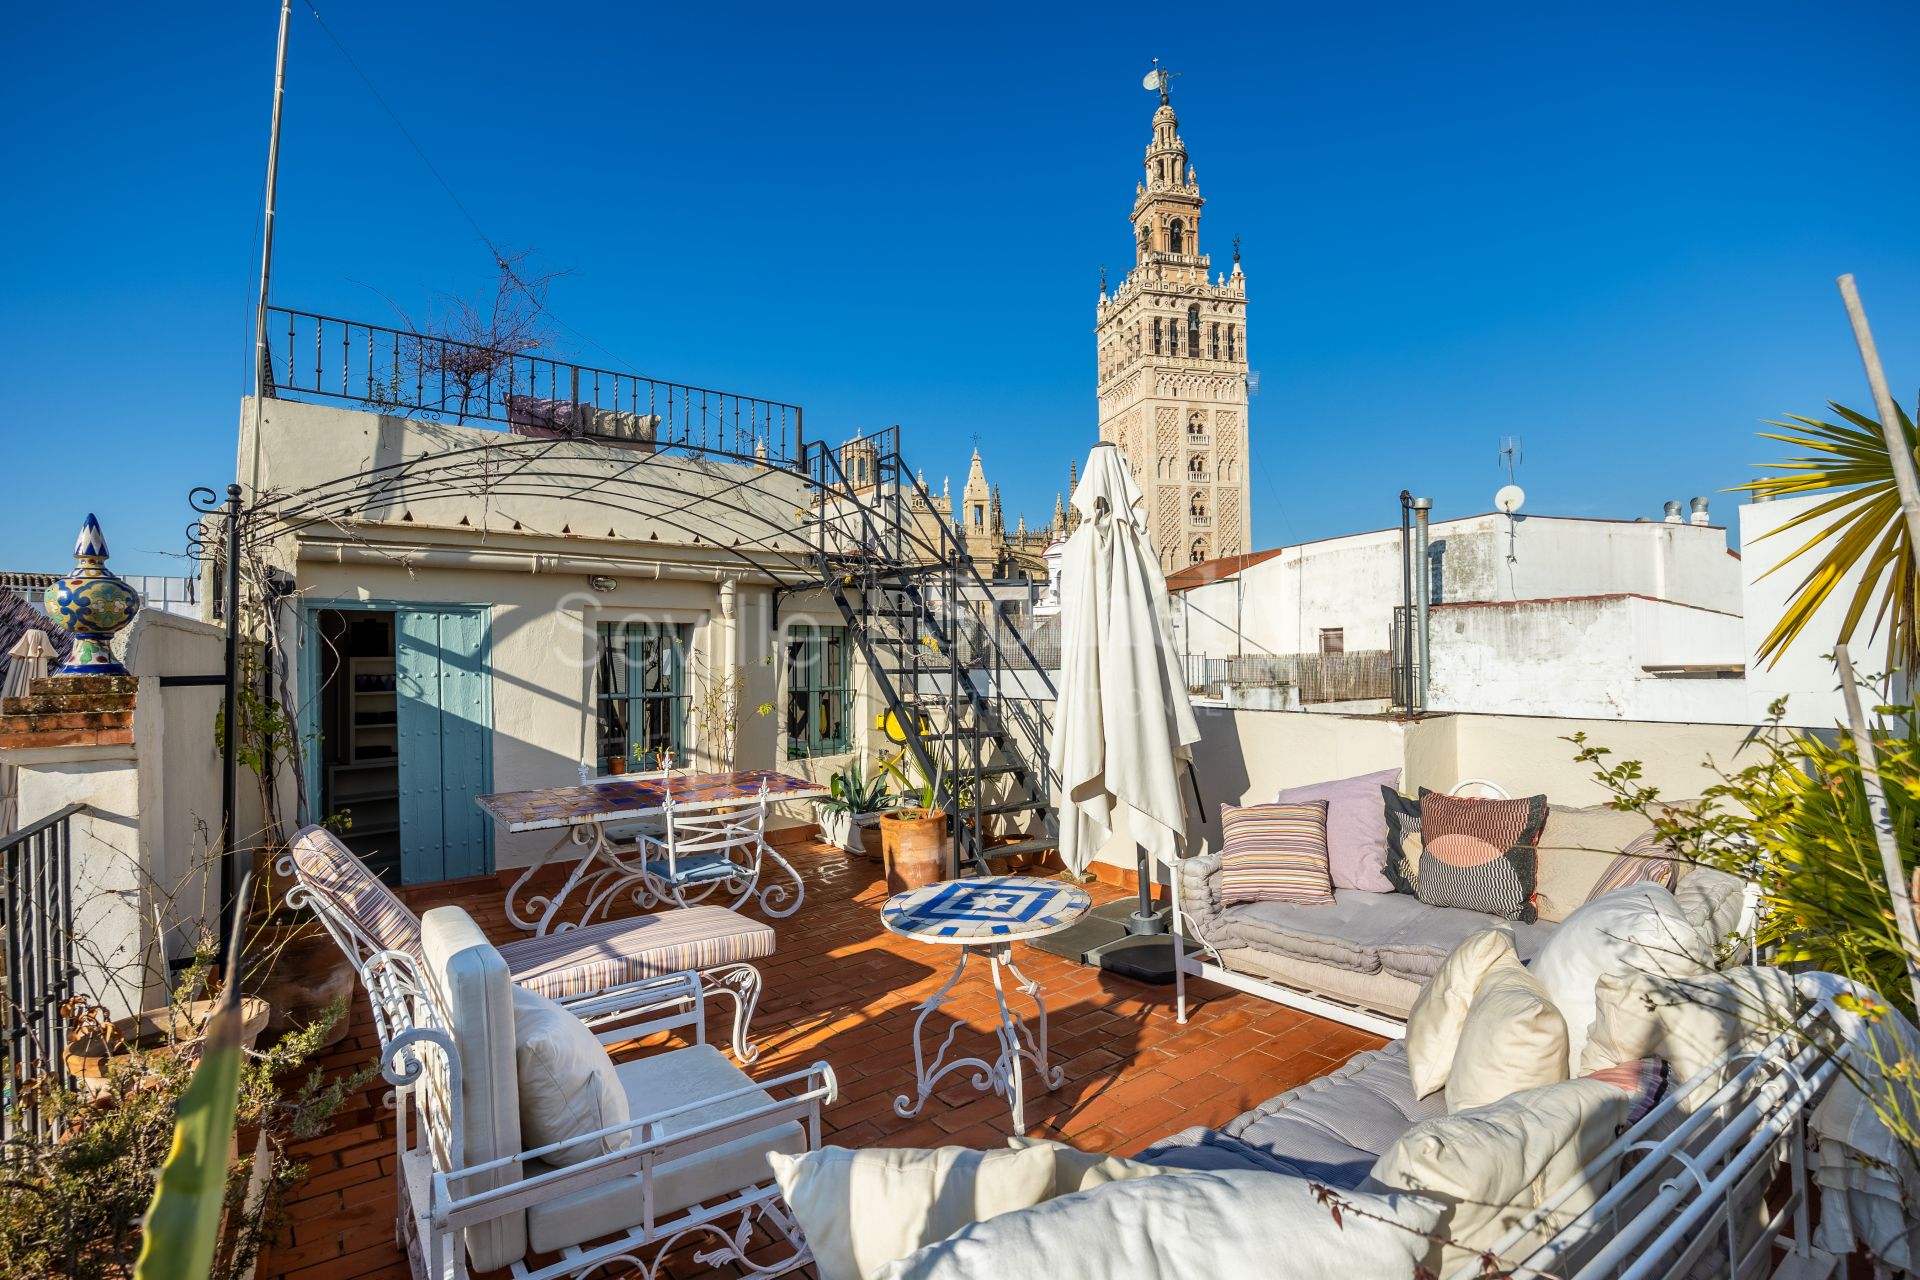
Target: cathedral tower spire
[[1171, 362]]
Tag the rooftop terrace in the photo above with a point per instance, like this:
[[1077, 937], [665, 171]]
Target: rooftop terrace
[[843, 989]]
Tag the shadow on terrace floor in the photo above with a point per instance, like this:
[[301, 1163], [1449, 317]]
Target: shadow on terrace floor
[[843, 989]]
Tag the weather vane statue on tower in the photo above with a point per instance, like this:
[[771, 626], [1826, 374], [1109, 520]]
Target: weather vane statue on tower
[[1159, 78]]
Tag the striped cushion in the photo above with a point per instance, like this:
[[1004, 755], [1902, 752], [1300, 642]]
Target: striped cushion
[[1275, 853], [1643, 860], [1481, 855], [329, 867], [1645, 1080], [599, 956]]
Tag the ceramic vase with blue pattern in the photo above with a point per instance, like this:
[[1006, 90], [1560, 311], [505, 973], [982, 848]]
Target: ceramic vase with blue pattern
[[93, 605]]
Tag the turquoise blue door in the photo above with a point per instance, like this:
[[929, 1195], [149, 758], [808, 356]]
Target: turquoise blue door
[[445, 730]]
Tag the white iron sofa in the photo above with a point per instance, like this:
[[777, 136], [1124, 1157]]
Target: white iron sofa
[[473, 1199], [1718, 1179]]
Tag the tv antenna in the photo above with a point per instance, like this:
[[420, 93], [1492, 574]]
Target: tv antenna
[[1512, 455]]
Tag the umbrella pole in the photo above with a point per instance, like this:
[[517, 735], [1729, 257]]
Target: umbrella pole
[[1146, 920]]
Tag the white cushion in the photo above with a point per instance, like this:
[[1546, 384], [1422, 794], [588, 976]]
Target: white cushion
[[863, 1209], [1689, 1021], [681, 1177], [1199, 1226], [1496, 1164], [1513, 1039], [567, 1085], [1639, 929], [1434, 1022], [476, 996], [1077, 1170]]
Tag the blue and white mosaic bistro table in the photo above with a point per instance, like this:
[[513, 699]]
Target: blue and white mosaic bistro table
[[985, 917]]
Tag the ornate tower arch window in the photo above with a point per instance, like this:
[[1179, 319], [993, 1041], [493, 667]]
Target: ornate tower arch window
[[1197, 425], [1197, 467], [1197, 552], [1197, 506], [1193, 331], [1229, 342], [1176, 236]]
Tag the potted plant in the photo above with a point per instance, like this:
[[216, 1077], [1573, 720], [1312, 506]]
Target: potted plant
[[915, 840], [854, 801]]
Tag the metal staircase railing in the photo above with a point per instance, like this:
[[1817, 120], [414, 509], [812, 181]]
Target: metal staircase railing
[[937, 646]]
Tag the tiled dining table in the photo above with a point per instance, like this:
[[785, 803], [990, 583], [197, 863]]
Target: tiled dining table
[[585, 812]]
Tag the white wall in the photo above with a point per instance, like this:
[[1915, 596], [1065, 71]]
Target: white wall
[[1585, 657], [1803, 675]]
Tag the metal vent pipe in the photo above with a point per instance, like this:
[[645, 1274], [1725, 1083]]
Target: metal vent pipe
[[1422, 595]]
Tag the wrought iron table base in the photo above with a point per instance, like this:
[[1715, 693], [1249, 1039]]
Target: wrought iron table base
[[1003, 1075]]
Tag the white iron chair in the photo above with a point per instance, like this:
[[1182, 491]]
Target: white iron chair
[[471, 1198], [702, 853], [590, 969]]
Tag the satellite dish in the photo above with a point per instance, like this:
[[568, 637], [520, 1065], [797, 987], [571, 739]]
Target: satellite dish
[[1510, 498]]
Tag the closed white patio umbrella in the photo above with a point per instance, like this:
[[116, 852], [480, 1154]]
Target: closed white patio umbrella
[[26, 661], [1123, 728]]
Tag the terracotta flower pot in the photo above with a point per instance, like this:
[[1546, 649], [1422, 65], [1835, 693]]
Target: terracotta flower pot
[[616, 764], [917, 848], [176, 1029]]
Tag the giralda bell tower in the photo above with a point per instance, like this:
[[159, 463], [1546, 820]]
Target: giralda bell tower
[[1172, 351]]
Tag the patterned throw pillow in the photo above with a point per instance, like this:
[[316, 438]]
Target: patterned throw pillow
[[1645, 1080], [1481, 855], [1403, 840], [1275, 853], [1644, 860]]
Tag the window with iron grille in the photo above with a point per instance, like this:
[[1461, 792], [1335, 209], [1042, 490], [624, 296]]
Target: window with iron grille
[[642, 696], [819, 691]]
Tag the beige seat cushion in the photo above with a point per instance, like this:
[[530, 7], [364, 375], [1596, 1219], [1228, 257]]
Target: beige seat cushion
[[1576, 848], [1077, 1170], [864, 1209], [1496, 1164], [474, 993], [1435, 1022], [651, 1085], [567, 1083], [1513, 1039]]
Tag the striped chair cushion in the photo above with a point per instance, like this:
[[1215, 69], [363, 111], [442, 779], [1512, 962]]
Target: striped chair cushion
[[329, 867], [1275, 853], [599, 956], [1643, 860], [1481, 855]]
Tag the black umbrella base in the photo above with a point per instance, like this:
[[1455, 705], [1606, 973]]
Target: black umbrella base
[[1101, 940]]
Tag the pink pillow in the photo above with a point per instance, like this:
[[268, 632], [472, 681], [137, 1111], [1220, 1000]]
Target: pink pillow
[[1356, 827]]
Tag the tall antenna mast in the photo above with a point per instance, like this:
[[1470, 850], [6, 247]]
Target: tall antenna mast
[[1511, 455], [260, 352]]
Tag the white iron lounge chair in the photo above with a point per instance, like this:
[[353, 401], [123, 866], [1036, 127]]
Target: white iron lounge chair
[[585, 968], [472, 1199]]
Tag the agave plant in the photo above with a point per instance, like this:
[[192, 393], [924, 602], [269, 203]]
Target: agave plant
[[1859, 528], [851, 791]]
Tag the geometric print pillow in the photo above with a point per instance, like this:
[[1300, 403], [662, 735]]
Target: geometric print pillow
[[1642, 861], [1275, 853], [1403, 840], [1480, 854]]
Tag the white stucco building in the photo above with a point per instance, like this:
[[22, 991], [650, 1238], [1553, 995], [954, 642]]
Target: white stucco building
[[1544, 615]]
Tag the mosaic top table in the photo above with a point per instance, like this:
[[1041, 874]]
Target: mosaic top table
[[607, 869], [985, 917]]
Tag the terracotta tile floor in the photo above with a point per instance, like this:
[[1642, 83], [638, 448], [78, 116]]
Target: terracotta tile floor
[[842, 989]]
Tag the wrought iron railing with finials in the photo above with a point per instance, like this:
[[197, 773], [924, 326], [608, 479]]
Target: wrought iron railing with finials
[[422, 375], [37, 934]]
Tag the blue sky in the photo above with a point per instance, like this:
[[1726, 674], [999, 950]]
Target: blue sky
[[1611, 232]]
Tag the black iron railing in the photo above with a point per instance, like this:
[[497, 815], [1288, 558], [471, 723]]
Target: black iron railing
[[421, 375], [38, 952]]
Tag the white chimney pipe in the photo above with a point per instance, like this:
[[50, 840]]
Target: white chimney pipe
[[1699, 516]]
